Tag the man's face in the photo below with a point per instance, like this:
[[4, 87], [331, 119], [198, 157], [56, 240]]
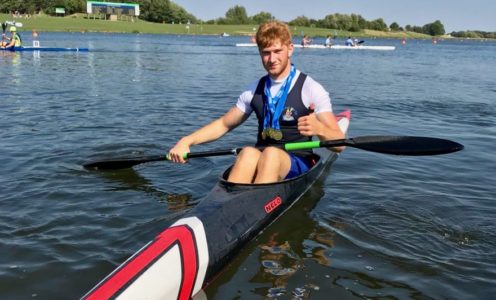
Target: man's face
[[275, 59]]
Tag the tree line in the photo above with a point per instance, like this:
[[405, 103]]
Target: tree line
[[476, 34], [166, 11], [352, 23]]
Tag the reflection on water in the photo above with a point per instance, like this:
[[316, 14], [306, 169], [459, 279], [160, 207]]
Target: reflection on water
[[11, 65], [130, 179], [274, 265]]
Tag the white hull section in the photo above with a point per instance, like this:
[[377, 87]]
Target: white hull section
[[172, 266]]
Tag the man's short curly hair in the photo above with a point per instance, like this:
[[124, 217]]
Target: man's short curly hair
[[272, 31]]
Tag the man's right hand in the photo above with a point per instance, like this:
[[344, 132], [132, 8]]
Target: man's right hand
[[177, 152]]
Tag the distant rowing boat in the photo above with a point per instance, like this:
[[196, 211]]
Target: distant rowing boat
[[337, 47], [45, 49]]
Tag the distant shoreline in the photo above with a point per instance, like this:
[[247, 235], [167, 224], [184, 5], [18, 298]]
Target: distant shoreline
[[80, 23]]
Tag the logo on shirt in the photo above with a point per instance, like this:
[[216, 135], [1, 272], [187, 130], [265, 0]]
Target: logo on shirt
[[289, 114]]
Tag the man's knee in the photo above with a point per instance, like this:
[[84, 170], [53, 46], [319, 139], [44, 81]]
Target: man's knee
[[248, 154], [248, 150], [272, 153]]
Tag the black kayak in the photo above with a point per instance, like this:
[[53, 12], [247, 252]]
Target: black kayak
[[186, 256]]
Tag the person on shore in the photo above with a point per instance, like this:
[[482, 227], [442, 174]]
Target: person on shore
[[14, 39], [328, 41], [290, 107], [306, 40]]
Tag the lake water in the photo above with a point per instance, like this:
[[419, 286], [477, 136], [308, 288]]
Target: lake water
[[378, 226]]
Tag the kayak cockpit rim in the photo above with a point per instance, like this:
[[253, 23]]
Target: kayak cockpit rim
[[223, 178]]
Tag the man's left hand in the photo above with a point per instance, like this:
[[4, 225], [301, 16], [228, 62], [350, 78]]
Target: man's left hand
[[309, 125]]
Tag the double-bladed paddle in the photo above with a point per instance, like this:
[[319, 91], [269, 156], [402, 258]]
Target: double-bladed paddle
[[4, 27], [398, 145]]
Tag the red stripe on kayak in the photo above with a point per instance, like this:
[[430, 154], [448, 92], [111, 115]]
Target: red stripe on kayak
[[189, 257], [344, 114], [182, 236]]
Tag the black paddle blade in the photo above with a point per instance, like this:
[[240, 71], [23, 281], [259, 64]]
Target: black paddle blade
[[122, 163], [405, 145]]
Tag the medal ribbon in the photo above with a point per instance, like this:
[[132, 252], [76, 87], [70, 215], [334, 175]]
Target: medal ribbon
[[273, 106]]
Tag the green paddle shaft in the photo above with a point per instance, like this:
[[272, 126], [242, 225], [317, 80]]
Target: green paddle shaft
[[301, 146]]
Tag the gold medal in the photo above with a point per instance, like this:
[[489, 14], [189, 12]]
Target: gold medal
[[277, 135], [269, 132]]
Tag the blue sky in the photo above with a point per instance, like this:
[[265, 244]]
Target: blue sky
[[454, 14]]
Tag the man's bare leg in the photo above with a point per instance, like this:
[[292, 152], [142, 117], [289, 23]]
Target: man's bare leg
[[245, 167], [273, 165]]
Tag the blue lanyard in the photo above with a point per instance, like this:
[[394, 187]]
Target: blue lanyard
[[273, 106]]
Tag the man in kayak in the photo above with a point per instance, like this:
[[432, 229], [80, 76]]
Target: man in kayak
[[328, 41], [349, 42], [306, 40], [14, 40], [290, 107]]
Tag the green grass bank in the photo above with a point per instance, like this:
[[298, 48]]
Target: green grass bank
[[81, 23]]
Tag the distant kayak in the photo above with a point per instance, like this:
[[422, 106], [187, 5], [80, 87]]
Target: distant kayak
[[55, 49], [337, 47]]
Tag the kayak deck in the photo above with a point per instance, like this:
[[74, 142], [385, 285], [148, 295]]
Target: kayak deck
[[185, 257]]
